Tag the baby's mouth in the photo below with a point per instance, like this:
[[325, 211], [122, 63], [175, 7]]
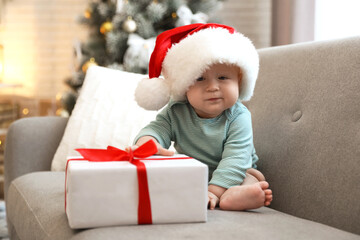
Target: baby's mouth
[[214, 99]]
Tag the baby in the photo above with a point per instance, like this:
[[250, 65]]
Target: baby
[[208, 69]]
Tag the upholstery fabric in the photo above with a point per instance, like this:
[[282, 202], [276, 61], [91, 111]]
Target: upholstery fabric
[[306, 121], [30, 137], [105, 114], [44, 218]]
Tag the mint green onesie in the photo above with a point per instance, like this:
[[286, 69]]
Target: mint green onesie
[[224, 143]]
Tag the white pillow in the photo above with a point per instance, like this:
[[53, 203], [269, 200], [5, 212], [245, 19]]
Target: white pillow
[[105, 114]]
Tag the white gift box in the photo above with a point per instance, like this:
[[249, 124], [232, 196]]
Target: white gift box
[[106, 193]]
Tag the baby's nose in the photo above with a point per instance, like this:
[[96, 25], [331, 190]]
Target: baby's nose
[[213, 85]]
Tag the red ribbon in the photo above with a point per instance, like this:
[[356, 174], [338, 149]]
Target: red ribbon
[[134, 157]]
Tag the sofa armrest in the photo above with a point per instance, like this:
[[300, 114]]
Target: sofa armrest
[[31, 144]]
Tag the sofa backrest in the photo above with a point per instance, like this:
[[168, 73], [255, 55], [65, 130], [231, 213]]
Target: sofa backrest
[[306, 120]]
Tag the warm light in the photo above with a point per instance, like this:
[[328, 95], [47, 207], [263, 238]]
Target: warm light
[[87, 14], [58, 96], [1, 63], [21, 54], [25, 111]]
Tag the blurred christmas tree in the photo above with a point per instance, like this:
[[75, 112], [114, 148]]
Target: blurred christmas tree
[[122, 34]]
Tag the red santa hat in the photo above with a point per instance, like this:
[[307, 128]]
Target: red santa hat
[[182, 54]]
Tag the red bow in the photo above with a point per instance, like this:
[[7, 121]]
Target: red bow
[[114, 154]]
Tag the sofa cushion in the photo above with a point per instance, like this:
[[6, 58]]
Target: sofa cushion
[[39, 197], [105, 114]]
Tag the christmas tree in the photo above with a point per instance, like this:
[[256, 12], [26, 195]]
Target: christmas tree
[[122, 34]]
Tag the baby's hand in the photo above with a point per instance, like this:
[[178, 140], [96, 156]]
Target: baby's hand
[[213, 200], [161, 151]]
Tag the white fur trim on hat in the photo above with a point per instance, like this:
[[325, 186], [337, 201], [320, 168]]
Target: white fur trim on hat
[[152, 94], [188, 59]]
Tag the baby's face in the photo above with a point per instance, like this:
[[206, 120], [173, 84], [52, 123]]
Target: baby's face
[[216, 90]]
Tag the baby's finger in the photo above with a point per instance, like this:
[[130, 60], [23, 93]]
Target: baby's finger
[[212, 204]]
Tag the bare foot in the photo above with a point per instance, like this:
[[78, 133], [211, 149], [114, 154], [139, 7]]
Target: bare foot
[[246, 197]]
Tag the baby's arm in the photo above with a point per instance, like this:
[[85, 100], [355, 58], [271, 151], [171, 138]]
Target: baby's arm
[[159, 131], [235, 158], [161, 150]]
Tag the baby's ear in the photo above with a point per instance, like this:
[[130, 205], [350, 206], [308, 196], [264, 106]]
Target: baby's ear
[[240, 76]]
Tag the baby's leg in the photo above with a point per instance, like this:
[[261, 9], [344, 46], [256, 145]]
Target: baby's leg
[[252, 193], [253, 176]]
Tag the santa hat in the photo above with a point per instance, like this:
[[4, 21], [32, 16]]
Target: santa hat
[[182, 54]]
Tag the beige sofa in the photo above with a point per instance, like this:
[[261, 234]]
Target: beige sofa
[[306, 119]]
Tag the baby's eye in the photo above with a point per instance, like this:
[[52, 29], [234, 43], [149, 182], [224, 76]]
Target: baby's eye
[[223, 78], [200, 79]]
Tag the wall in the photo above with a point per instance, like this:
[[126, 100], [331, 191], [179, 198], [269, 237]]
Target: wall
[[37, 38], [250, 17]]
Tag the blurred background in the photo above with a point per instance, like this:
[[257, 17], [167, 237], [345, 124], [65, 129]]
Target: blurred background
[[46, 46]]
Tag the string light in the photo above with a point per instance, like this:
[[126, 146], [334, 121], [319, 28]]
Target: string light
[[58, 96], [25, 111], [87, 14]]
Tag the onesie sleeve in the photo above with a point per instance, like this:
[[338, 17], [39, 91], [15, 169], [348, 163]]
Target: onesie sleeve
[[160, 129], [238, 153]]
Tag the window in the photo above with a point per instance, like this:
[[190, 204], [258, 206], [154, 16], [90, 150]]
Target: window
[[336, 19]]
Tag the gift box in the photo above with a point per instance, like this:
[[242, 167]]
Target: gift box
[[110, 191]]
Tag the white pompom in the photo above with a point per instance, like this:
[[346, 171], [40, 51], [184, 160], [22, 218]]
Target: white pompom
[[152, 94]]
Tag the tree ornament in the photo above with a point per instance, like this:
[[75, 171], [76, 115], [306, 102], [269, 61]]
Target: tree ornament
[[137, 56], [88, 64], [106, 27], [129, 25]]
